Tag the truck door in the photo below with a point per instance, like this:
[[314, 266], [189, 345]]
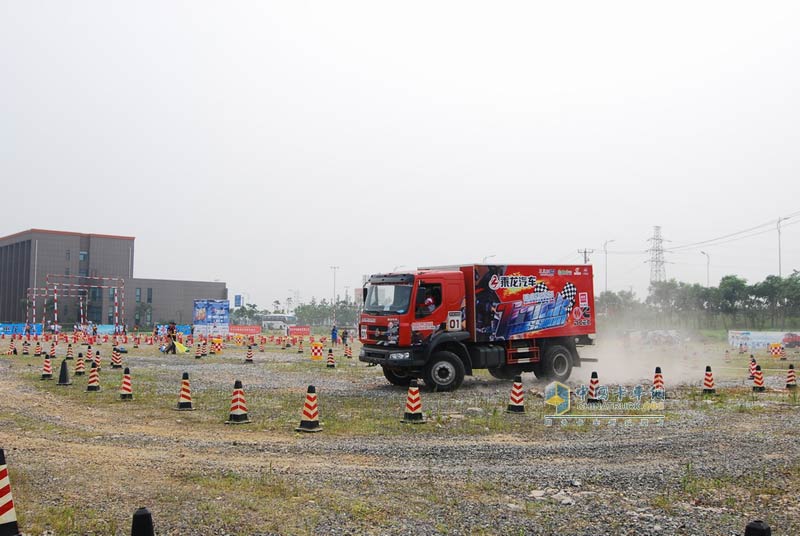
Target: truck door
[[428, 311]]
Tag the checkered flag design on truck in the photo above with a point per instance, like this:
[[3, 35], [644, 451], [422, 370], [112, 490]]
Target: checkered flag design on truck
[[569, 293], [541, 286]]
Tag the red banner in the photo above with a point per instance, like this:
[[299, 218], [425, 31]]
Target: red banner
[[299, 331], [244, 330]]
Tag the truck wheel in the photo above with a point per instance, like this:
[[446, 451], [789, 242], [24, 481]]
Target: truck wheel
[[445, 372], [397, 377], [557, 363], [504, 372]]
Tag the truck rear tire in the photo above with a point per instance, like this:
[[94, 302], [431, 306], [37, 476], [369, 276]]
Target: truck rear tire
[[445, 372], [557, 363], [396, 377]]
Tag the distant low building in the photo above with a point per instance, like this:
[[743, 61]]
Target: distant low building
[[92, 273]]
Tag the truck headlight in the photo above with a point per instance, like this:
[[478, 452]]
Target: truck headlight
[[400, 355]]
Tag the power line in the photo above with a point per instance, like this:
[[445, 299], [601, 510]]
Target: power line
[[711, 241]]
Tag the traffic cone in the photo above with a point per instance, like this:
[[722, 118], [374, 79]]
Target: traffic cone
[[331, 362], [708, 382], [591, 396], [238, 413], [658, 380], [205, 348], [52, 350], [125, 389], [413, 413], [516, 402], [94, 378], [12, 348], [185, 397], [348, 352], [89, 354], [198, 351], [47, 371], [309, 422], [753, 365], [791, 380], [97, 359], [63, 375], [142, 524], [300, 347], [69, 351], [261, 347], [116, 359], [758, 381], [26, 347], [37, 351], [8, 515], [757, 528], [249, 357], [80, 368]]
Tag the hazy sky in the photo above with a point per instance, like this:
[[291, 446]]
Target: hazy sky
[[260, 143]]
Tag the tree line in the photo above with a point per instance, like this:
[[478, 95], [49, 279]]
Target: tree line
[[773, 303]]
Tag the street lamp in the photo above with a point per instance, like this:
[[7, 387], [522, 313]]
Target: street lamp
[[708, 268], [333, 303], [605, 250], [487, 257]]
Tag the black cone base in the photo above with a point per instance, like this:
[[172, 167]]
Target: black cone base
[[126, 396], [92, 387], [791, 386], [593, 401], [513, 408], [309, 426], [759, 389], [709, 391], [184, 406], [47, 376], [80, 373], [238, 419], [413, 418]]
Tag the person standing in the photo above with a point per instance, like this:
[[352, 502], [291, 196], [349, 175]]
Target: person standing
[[334, 335], [344, 337]]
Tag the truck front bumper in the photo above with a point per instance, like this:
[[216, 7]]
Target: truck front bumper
[[393, 357]]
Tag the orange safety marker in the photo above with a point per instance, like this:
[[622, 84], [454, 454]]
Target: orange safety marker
[[316, 352], [238, 413], [37, 351], [261, 347], [198, 351], [116, 359], [52, 350], [758, 380], [331, 362], [185, 396], [708, 382], [94, 378], [205, 348], [791, 380], [309, 422], [516, 401], [125, 389], [97, 359], [249, 357], [658, 380], [753, 365], [300, 347], [8, 515], [348, 352], [591, 395], [80, 368], [47, 370], [69, 351], [413, 413]]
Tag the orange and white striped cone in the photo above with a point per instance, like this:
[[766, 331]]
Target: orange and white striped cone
[[89, 354], [783, 354], [63, 375], [52, 350], [658, 380], [708, 382], [116, 359], [47, 370], [261, 347], [185, 397], [300, 347], [69, 352], [26, 347], [331, 362], [309, 422], [591, 395], [37, 351], [753, 365], [97, 359], [8, 515], [80, 367], [198, 351], [126, 389], [249, 357], [12, 348], [791, 380], [205, 348], [758, 381], [516, 401], [348, 352], [136, 341], [238, 413], [413, 413], [94, 378]]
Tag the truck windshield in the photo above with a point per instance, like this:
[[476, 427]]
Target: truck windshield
[[388, 299]]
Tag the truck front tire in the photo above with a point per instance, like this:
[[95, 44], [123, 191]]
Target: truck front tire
[[397, 377], [445, 372], [557, 363]]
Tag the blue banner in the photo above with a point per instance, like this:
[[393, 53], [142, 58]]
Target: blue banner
[[211, 312], [19, 329]]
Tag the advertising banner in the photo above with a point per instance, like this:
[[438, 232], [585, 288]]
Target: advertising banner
[[185, 329], [244, 330], [762, 339], [19, 329], [299, 331], [211, 312]]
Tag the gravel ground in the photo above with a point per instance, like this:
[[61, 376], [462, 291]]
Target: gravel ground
[[81, 463]]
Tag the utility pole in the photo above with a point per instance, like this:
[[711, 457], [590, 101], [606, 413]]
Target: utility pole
[[708, 268], [333, 302], [780, 271], [605, 250], [657, 272], [585, 252]]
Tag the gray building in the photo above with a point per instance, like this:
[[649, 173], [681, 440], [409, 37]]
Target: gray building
[[89, 271]]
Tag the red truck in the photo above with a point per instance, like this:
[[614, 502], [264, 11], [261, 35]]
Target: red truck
[[440, 324]]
